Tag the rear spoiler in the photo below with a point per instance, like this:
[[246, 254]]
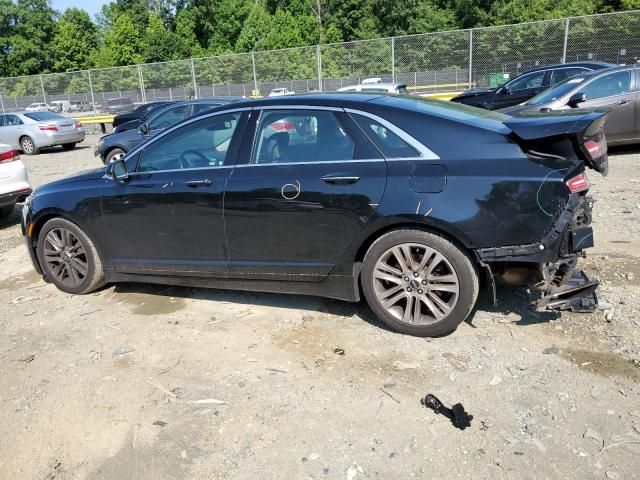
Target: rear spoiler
[[584, 126]]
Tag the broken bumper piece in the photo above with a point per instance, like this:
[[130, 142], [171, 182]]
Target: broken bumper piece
[[577, 294]]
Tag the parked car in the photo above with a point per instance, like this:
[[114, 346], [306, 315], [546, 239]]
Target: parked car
[[14, 184], [614, 88], [525, 85], [79, 106], [60, 106], [134, 117], [117, 144], [32, 131], [37, 107], [373, 87], [279, 92], [119, 105], [368, 202]]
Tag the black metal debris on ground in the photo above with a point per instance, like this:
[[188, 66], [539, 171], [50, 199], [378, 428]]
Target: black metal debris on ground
[[456, 414]]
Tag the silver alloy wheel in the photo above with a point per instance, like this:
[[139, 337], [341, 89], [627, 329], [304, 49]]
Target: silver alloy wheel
[[27, 145], [416, 284], [65, 257]]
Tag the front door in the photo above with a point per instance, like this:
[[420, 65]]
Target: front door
[[519, 90], [614, 91], [166, 219], [301, 192]]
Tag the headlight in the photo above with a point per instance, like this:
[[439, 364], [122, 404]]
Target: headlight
[[29, 199]]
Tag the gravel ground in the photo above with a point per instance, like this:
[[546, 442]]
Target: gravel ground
[[149, 382]]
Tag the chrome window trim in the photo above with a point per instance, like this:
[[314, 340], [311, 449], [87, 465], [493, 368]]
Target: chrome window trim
[[153, 172], [299, 107], [425, 152], [244, 165], [175, 127]]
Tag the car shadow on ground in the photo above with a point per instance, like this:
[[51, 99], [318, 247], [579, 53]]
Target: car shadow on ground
[[12, 219], [511, 300], [624, 149], [58, 149]]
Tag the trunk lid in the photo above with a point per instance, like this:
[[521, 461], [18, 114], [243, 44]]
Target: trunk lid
[[542, 131]]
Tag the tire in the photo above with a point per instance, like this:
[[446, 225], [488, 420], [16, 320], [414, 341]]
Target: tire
[[6, 211], [28, 146], [59, 236], [68, 146], [444, 285], [113, 153]]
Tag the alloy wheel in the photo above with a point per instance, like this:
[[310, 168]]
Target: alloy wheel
[[27, 145], [416, 284], [65, 257]]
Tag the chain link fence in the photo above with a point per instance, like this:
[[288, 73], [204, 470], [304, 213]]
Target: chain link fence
[[426, 63]]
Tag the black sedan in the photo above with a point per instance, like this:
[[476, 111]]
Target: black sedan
[[525, 85], [615, 89], [118, 143], [406, 201], [136, 113]]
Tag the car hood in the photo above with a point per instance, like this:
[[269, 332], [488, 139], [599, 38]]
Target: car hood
[[83, 176], [474, 92], [121, 137]]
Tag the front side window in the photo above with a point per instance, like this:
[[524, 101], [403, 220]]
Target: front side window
[[287, 136], [609, 85], [201, 144], [531, 80], [169, 117], [390, 144], [562, 74]]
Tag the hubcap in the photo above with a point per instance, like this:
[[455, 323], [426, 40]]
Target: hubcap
[[65, 257], [416, 284], [27, 145], [116, 157]]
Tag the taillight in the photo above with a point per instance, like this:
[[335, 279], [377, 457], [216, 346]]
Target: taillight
[[578, 183], [78, 125], [51, 127], [9, 156]]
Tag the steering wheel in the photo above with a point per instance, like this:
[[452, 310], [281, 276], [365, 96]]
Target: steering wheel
[[203, 160]]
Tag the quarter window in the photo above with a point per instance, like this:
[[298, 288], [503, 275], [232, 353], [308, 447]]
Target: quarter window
[[532, 80], [390, 144], [201, 144], [288, 136], [615, 83]]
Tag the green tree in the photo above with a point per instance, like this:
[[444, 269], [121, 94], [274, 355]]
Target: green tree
[[76, 37], [159, 44], [122, 45]]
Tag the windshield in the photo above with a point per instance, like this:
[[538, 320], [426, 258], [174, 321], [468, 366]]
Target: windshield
[[554, 93]]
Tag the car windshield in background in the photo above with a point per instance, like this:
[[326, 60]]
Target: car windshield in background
[[43, 116], [556, 92]]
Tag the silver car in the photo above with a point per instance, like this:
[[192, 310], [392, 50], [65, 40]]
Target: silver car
[[32, 131]]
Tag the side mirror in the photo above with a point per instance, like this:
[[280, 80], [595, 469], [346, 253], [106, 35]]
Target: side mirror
[[144, 129], [119, 169], [576, 99], [505, 90]]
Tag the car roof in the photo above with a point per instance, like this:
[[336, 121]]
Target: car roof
[[605, 71], [590, 64]]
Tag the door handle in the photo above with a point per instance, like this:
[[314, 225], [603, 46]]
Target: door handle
[[340, 179], [622, 102], [198, 183]]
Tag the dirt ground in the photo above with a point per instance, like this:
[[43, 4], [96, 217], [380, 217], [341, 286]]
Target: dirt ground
[[155, 382]]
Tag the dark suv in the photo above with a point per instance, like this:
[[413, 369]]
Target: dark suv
[[337, 195], [525, 85]]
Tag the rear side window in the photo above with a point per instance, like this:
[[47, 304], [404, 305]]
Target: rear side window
[[615, 83], [10, 120], [203, 107], [561, 74], [390, 144]]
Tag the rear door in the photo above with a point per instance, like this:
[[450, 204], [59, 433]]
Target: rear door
[[305, 186], [616, 91]]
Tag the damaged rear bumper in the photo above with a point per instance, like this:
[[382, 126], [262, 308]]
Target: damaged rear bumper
[[550, 265]]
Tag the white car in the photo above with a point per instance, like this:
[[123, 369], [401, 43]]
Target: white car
[[376, 87], [280, 92], [14, 184], [37, 107]]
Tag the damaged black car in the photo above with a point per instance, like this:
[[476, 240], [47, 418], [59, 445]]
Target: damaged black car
[[414, 204]]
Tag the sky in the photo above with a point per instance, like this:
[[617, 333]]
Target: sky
[[91, 6]]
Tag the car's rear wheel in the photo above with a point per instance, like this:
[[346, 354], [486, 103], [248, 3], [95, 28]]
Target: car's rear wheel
[[419, 283], [114, 154], [28, 146], [69, 258], [68, 146]]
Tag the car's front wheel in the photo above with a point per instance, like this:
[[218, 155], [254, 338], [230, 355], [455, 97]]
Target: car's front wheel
[[69, 258], [114, 154], [28, 146], [419, 283]]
